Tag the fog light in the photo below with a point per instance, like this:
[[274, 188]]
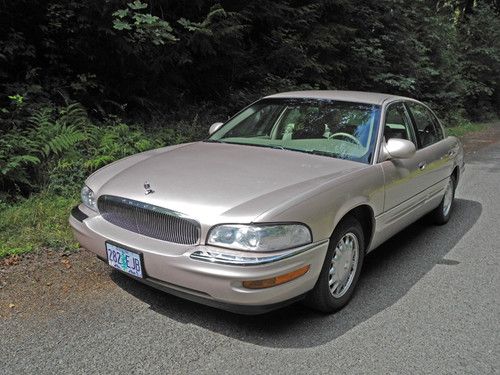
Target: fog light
[[277, 280]]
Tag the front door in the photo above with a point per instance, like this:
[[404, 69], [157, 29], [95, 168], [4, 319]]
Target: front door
[[403, 177]]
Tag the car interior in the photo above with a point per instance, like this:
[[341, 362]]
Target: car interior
[[395, 125], [342, 132]]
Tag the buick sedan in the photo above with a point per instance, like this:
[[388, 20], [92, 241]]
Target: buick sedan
[[280, 203]]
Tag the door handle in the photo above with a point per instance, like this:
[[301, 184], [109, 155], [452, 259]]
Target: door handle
[[422, 165]]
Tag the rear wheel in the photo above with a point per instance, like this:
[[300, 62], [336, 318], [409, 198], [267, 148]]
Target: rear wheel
[[442, 213], [341, 269]]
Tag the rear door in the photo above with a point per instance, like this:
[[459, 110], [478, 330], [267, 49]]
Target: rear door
[[433, 150]]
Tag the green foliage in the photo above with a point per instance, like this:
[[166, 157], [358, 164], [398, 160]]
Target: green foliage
[[17, 99], [61, 146], [115, 142], [143, 27], [35, 223], [138, 59], [480, 60], [27, 155], [15, 161], [55, 136], [216, 12], [468, 127]]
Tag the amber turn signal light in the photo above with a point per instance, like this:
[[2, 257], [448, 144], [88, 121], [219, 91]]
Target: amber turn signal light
[[277, 280]]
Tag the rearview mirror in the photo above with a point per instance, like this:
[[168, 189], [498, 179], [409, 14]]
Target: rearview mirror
[[398, 149], [214, 127]]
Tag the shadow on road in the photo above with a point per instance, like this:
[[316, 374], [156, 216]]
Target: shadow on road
[[388, 274]]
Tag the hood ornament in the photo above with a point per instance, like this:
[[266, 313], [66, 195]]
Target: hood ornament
[[147, 187]]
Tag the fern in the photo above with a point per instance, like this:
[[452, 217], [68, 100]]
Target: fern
[[56, 136], [98, 162], [31, 157], [18, 161], [65, 137], [59, 147], [75, 115]]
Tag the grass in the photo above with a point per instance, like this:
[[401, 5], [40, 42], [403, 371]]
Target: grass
[[38, 222], [468, 127]]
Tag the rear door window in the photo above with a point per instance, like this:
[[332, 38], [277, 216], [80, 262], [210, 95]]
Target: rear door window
[[427, 127]]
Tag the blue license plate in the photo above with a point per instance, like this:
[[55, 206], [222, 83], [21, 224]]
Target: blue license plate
[[124, 260]]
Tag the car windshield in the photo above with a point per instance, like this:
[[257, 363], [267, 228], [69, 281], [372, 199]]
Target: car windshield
[[324, 127]]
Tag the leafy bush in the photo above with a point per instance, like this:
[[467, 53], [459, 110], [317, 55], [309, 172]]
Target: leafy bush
[[59, 147], [28, 154], [142, 27], [140, 58]]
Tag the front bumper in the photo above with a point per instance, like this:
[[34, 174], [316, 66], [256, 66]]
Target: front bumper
[[174, 268]]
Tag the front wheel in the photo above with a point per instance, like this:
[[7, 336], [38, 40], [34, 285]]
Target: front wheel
[[341, 269], [442, 213]]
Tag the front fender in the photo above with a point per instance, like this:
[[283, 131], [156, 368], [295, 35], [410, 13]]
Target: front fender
[[323, 207]]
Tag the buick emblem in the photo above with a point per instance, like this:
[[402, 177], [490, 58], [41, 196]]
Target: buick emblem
[[147, 187]]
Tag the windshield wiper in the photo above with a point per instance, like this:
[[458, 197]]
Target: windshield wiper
[[323, 153], [313, 152], [214, 141], [316, 152], [277, 147]]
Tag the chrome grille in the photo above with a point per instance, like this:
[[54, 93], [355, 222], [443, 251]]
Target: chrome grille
[[148, 220]]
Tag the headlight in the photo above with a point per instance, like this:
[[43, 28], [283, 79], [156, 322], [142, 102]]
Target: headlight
[[88, 198], [259, 237]]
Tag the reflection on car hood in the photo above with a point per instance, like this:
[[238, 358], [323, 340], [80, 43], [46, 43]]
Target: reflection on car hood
[[214, 181]]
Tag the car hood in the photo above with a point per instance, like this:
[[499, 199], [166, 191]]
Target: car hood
[[215, 182]]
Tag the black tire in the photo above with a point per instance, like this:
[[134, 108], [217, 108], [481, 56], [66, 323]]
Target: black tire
[[320, 297], [440, 215]]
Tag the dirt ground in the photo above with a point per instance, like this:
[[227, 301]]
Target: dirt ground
[[474, 141], [48, 281]]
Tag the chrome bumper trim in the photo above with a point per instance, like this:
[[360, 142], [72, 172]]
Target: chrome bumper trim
[[212, 256]]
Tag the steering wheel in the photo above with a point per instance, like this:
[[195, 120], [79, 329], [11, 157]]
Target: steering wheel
[[350, 137]]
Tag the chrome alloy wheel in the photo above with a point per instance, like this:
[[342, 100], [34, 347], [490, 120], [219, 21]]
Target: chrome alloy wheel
[[344, 265], [448, 198]]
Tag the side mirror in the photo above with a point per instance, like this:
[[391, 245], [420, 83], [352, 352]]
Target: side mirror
[[214, 127], [396, 148]]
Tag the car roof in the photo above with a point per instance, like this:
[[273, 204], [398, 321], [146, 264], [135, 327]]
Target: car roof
[[345, 96]]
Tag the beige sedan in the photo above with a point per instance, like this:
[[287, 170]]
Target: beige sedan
[[281, 203]]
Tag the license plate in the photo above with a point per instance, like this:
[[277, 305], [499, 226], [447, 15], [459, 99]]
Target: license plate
[[124, 260]]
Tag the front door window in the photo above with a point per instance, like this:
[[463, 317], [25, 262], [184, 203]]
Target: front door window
[[397, 123]]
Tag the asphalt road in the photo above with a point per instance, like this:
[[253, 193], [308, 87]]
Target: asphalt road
[[428, 302]]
